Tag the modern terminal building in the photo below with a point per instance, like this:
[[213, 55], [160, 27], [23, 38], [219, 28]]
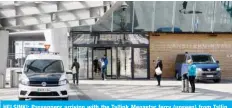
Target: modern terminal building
[[131, 34]]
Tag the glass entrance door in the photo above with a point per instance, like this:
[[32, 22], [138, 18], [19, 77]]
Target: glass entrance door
[[123, 63], [98, 54], [140, 63]]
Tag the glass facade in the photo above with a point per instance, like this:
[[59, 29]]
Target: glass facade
[[119, 33], [167, 16], [113, 39], [126, 54]]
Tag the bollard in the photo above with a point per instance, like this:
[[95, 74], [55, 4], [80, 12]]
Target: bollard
[[11, 63], [14, 78], [11, 78], [2, 85], [15, 82], [17, 78]]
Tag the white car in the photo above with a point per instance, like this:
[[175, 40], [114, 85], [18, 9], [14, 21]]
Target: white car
[[43, 76]]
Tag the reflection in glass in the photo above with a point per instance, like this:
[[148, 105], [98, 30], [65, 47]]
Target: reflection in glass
[[90, 63], [124, 69], [140, 63], [44, 66], [223, 16], [163, 15], [109, 62], [82, 59], [114, 62]]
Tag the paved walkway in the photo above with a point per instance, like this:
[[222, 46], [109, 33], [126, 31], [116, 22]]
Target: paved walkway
[[146, 90], [140, 90]]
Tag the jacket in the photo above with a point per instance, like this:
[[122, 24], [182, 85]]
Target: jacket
[[192, 70], [184, 69], [76, 65], [105, 60], [159, 64]]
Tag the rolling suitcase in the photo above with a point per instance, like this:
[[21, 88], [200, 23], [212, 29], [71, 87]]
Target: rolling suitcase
[[185, 83]]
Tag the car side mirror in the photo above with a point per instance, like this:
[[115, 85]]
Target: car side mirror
[[217, 62]]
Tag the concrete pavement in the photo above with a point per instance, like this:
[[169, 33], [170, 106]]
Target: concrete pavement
[[139, 90]]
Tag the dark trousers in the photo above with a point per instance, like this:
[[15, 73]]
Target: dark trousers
[[192, 83], [103, 73], [158, 77], [96, 69], [76, 78]]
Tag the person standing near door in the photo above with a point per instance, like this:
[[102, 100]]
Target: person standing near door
[[75, 75], [96, 65], [104, 64], [191, 74], [159, 65], [118, 68]]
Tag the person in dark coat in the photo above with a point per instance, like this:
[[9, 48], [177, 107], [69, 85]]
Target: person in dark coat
[[160, 65], [76, 75], [96, 65], [118, 68]]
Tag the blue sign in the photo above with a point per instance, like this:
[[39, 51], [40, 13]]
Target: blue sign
[[117, 104]]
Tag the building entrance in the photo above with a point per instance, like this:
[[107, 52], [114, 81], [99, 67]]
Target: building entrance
[[98, 54], [127, 59]]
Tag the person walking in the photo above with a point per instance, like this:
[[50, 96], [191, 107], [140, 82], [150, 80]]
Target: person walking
[[192, 75], [184, 77], [184, 74], [158, 71], [104, 63], [96, 65], [118, 68], [75, 75]]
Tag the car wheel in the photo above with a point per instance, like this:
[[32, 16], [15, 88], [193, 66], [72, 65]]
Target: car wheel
[[22, 99], [177, 76], [217, 80]]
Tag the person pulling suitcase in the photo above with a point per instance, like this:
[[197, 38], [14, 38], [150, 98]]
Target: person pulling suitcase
[[185, 82]]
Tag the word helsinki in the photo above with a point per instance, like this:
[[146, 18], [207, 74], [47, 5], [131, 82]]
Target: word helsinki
[[115, 106]]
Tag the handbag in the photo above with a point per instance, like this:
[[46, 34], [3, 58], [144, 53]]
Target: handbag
[[158, 71], [74, 70], [102, 64]]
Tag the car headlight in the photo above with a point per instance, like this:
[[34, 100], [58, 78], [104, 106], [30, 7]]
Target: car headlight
[[199, 69], [63, 82], [218, 69], [24, 82]]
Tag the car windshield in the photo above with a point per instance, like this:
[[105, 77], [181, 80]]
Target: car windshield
[[203, 59], [44, 66]]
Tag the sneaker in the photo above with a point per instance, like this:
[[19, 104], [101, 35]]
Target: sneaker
[[105, 79]]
